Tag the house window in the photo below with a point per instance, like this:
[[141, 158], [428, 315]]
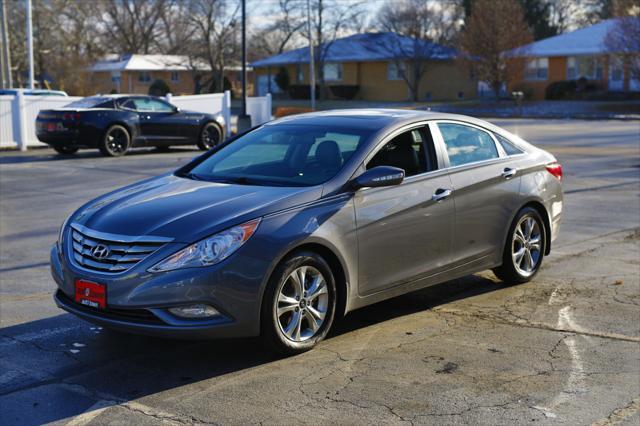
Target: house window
[[144, 77], [589, 67], [333, 71], [175, 76], [537, 69], [395, 70], [299, 73]]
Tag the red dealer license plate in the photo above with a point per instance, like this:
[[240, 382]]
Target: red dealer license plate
[[91, 294]]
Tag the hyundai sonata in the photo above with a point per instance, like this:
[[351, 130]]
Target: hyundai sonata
[[289, 226]]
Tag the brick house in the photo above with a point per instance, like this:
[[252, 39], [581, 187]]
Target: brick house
[[571, 56], [133, 73], [373, 61]]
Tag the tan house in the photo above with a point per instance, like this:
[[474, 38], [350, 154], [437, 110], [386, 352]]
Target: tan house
[[573, 56], [376, 64], [134, 73]]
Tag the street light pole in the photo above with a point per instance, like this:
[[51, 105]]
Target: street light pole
[[30, 43], [244, 120], [312, 67]]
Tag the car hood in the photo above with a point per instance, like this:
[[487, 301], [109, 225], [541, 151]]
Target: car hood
[[184, 209]]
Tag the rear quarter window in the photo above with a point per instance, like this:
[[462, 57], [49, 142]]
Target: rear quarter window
[[508, 146]]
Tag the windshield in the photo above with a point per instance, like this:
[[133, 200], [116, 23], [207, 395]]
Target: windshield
[[88, 102], [282, 155]]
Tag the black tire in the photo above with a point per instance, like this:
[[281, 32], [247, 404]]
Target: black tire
[[210, 136], [66, 150], [513, 271], [273, 328], [115, 142]]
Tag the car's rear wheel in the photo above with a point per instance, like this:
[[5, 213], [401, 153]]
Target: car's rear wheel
[[115, 142], [66, 150], [299, 304], [210, 136], [524, 250]]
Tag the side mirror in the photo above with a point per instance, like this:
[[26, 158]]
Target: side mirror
[[379, 176], [176, 109]]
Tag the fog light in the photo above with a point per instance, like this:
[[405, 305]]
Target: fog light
[[194, 311]]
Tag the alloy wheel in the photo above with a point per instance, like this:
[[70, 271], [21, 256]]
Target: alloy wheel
[[117, 141], [301, 304], [526, 246], [210, 136]]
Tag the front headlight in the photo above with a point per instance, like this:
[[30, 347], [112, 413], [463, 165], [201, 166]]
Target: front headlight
[[61, 234], [210, 250]]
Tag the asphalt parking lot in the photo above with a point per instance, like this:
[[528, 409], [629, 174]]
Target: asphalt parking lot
[[564, 349]]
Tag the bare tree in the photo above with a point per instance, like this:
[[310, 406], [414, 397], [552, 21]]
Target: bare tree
[[624, 39], [277, 36], [176, 31], [216, 35], [131, 26], [425, 27], [494, 28], [331, 19]]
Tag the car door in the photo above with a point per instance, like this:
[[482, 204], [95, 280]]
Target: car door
[[486, 186], [160, 122], [404, 233]]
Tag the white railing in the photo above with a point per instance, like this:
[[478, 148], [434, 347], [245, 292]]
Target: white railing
[[259, 108], [18, 113]]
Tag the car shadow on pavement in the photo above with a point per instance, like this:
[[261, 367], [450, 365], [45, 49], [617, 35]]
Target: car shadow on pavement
[[60, 367], [45, 155]]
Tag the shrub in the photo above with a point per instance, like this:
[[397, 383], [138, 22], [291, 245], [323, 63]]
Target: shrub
[[159, 88], [563, 89], [302, 91], [345, 91], [282, 79]]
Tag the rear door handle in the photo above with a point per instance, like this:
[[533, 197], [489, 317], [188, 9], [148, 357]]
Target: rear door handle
[[508, 173], [441, 194]]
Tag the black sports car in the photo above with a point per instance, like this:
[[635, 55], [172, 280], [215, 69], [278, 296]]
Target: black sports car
[[115, 123]]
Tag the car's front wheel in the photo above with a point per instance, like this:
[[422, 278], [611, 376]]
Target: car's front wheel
[[210, 136], [115, 142], [524, 250], [299, 304], [66, 150]]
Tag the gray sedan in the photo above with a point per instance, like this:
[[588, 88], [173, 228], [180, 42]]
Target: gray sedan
[[286, 228]]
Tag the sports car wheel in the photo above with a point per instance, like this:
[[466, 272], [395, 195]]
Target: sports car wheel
[[299, 304], [210, 136], [116, 141]]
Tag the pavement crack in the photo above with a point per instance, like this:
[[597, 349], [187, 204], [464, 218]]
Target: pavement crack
[[539, 325]]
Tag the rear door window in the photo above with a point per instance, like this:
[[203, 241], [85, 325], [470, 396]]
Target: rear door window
[[467, 144]]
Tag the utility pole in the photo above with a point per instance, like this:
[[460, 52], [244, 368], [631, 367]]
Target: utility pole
[[244, 120], [7, 81], [312, 67], [30, 43]]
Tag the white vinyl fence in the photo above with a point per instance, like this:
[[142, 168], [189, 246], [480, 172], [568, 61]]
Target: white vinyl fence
[[259, 108], [18, 113]]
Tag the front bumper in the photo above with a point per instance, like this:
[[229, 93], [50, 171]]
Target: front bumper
[[137, 302]]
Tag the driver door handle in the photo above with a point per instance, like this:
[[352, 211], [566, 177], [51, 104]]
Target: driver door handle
[[508, 173], [441, 194]]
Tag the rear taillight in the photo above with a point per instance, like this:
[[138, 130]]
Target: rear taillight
[[555, 169], [71, 117]]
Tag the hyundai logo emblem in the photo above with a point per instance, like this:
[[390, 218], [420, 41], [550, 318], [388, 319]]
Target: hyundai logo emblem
[[100, 251]]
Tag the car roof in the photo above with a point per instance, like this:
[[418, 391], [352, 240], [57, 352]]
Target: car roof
[[371, 118]]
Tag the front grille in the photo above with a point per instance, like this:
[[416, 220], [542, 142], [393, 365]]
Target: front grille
[[110, 253], [135, 315]]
